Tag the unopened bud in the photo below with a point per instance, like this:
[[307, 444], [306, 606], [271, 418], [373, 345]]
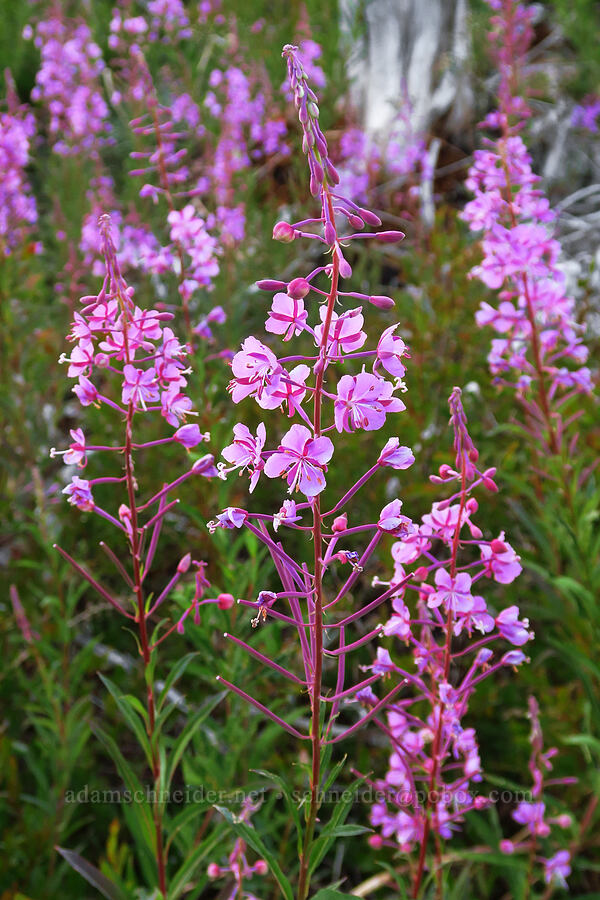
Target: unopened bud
[[356, 222], [268, 284], [421, 573], [298, 288], [375, 841], [330, 234], [184, 563], [283, 232], [225, 601], [102, 360], [340, 523], [490, 485], [260, 867], [213, 870], [498, 546], [389, 237], [382, 302], [369, 217]]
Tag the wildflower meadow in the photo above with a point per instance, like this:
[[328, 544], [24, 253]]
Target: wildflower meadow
[[300, 439]]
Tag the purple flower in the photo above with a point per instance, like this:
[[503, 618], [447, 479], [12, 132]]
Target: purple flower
[[512, 628], [79, 493], [502, 563], [189, 436], [557, 869], [399, 624], [303, 459], [391, 519], [232, 517], [139, 386], [287, 515], [363, 401], [254, 368], [245, 452], [395, 456], [287, 316], [175, 405], [389, 350], [75, 455], [85, 391], [532, 815], [383, 664], [345, 332], [454, 593]]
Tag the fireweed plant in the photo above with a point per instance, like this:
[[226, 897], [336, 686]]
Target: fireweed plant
[[129, 361], [451, 635], [539, 352], [430, 744]]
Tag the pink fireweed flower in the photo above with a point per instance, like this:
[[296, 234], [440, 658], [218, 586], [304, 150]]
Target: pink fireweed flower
[[232, 517], [502, 563], [512, 628], [390, 349], [175, 406], [345, 332], [392, 520], [85, 391], [532, 815], [399, 624], [254, 368], [363, 401], [245, 452], [557, 869], [287, 316], [290, 389], [79, 493], [76, 454], [139, 386], [303, 459], [189, 436], [396, 456], [287, 515], [453, 593]]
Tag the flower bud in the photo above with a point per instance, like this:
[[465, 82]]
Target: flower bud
[[330, 234], [369, 217], [283, 232], [382, 302], [260, 867], [356, 222], [101, 360], [375, 841], [213, 870], [188, 435], [506, 847], [268, 284], [498, 546], [389, 237], [480, 802], [225, 601], [298, 288], [340, 523], [421, 573], [184, 563], [490, 485]]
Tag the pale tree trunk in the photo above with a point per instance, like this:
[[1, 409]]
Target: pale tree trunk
[[415, 50]]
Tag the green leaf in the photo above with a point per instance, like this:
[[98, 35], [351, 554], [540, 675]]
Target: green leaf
[[140, 810], [331, 894], [181, 879], [291, 805], [248, 833], [92, 875], [130, 707], [173, 677], [188, 732]]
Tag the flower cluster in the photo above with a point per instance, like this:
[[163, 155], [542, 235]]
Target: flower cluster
[[238, 868], [68, 84], [113, 336], [17, 205], [532, 814], [436, 748], [539, 348]]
